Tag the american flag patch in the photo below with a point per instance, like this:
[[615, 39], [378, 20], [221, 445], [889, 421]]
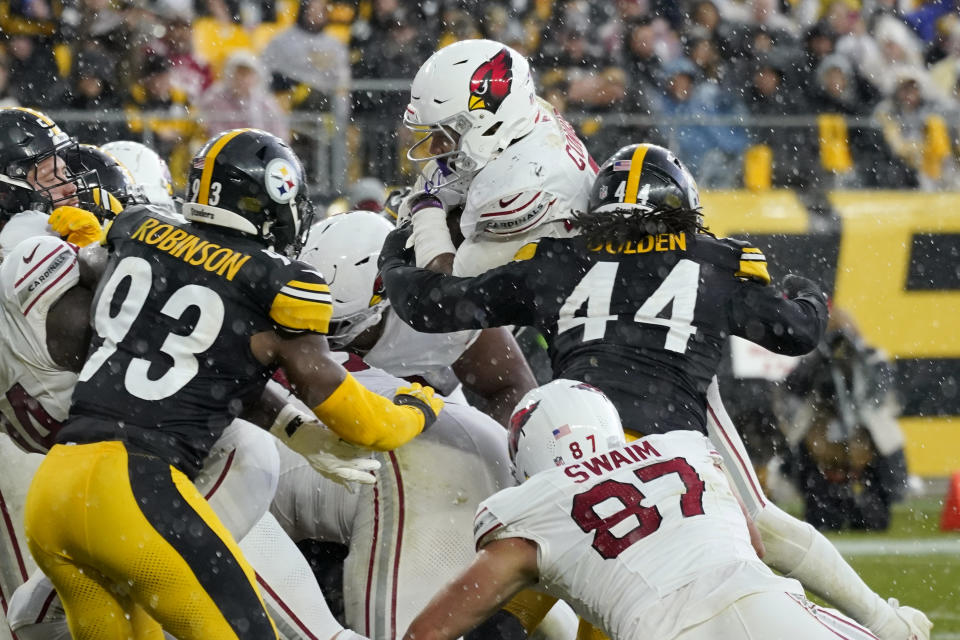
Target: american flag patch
[[562, 431], [621, 165], [199, 162]]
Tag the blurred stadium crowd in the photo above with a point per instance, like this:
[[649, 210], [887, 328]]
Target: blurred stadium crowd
[[799, 93]]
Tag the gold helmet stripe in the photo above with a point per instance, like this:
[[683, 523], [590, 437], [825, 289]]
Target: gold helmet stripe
[[203, 194], [633, 178]]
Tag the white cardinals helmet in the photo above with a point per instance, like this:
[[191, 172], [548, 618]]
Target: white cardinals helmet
[[149, 170], [345, 248], [560, 423], [469, 101]]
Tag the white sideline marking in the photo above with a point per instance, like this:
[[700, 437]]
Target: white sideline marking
[[903, 547]]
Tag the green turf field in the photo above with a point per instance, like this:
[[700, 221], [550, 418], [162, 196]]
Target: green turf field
[[913, 561]]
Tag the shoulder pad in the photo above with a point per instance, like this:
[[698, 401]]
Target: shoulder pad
[[747, 261], [301, 298], [37, 272]]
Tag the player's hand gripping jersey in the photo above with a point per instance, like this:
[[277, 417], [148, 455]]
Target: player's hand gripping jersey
[[644, 321], [174, 386], [645, 537]]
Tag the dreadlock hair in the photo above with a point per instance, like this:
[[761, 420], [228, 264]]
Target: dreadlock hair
[[622, 225]]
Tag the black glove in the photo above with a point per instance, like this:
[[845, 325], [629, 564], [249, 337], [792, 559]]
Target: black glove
[[795, 286], [395, 249]]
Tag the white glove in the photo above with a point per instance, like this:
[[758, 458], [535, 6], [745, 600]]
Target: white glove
[[330, 456]]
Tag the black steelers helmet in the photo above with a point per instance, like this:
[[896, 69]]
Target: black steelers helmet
[[251, 181], [643, 177], [111, 185], [27, 138]]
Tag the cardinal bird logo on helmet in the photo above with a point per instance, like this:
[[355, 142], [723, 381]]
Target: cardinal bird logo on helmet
[[517, 422], [491, 82]]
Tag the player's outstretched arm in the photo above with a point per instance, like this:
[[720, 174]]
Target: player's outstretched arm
[[355, 414], [790, 322], [436, 303], [494, 368], [500, 570]]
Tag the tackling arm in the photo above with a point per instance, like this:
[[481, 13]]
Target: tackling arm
[[354, 413], [791, 325], [436, 303], [499, 571]]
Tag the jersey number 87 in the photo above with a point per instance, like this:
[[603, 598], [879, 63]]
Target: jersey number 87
[[607, 544]]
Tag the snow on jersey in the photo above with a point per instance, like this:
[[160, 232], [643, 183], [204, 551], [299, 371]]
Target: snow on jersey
[[35, 391], [542, 177], [645, 537]]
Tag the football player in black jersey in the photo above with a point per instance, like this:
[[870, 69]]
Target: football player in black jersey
[[639, 305], [190, 320]]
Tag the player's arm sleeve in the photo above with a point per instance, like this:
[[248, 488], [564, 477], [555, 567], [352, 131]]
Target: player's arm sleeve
[[436, 303], [790, 322]]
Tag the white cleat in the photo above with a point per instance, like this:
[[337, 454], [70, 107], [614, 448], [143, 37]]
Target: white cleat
[[917, 622]]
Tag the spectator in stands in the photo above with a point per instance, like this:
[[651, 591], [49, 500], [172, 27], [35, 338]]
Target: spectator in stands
[[172, 129], [642, 62], [915, 131], [838, 89], [33, 70], [794, 161], [709, 151], [241, 99], [7, 97], [593, 81], [704, 53], [388, 46], [945, 72], [313, 66], [92, 90], [190, 74], [818, 43]]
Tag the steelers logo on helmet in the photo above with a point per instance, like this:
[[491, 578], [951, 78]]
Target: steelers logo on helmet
[[280, 180]]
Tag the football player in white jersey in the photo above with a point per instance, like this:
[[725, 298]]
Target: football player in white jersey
[[149, 170], [409, 533], [43, 307], [490, 146], [645, 539], [794, 547]]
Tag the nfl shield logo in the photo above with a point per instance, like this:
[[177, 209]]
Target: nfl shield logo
[[603, 192]]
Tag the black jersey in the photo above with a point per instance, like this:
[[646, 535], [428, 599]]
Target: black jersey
[[170, 363], [643, 321]]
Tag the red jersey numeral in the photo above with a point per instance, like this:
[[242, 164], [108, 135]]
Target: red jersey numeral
[[610, 546]]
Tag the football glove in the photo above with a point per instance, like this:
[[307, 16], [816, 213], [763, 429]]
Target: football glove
[[330, 456], [75, 225], [422, 398], [397, 205], [395, 247], [795, 286]]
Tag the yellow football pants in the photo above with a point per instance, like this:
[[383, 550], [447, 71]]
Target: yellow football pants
[[122, 533]]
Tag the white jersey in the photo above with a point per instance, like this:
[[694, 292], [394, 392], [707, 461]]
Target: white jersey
[[544, 176], [35, 390], [23, 225], [404, 351], [648, 536]]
